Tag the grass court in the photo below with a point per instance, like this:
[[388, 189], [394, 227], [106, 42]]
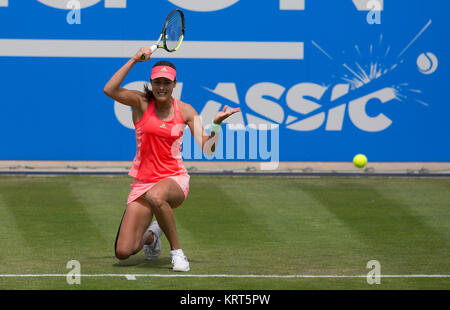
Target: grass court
[[283, 227]]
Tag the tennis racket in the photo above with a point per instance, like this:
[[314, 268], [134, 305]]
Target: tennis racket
[[172, 33]]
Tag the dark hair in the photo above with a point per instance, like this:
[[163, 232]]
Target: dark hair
[[147, 91]]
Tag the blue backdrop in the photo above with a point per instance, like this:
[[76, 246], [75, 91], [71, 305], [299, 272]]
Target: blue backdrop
[[327, 78]]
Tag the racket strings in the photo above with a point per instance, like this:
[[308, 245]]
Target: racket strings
[[174, 31]]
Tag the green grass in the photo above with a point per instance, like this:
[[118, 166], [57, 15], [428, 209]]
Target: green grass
[[232, 225]]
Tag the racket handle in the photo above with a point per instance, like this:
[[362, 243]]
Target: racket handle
[[152, 48]]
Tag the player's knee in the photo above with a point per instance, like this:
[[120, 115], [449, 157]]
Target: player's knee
[[123, 252], [155, 200]]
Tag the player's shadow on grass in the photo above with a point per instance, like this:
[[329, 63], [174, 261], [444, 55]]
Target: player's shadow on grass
[[141, 262]]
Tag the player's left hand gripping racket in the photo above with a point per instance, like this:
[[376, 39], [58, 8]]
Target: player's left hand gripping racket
[[172, 33]]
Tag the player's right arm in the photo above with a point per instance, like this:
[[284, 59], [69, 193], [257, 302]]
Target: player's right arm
[[125, 96]]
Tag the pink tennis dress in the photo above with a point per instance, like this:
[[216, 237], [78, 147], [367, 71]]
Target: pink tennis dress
[[158, 153]]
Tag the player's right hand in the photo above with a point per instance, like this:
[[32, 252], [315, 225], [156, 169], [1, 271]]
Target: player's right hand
[[143, 51]]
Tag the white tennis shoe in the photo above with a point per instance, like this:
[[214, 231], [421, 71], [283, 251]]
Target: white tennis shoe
[[179, 261], [153, 250]]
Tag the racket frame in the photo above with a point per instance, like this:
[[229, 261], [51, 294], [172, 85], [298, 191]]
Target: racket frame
[[163, 32], [163, 36]]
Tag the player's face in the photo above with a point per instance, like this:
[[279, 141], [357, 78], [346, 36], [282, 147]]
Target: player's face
[[162, 88]]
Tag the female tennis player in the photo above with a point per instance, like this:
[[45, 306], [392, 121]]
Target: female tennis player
[[161, 182]]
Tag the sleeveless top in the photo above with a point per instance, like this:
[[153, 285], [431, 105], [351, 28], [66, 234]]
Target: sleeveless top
[[158, 153]]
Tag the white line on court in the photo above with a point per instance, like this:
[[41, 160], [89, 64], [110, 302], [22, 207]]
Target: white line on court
[[126, 49], [134, 276]]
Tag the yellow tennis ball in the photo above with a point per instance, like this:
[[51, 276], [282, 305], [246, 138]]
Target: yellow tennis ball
[[360, 160]]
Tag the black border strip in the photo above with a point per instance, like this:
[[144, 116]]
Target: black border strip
[[168, 298]]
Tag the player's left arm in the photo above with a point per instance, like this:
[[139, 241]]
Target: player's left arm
[[205, 141]]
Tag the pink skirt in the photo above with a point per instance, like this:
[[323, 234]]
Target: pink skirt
[[139, 188]]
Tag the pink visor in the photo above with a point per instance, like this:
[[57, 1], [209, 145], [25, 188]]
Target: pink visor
[[163, 71]]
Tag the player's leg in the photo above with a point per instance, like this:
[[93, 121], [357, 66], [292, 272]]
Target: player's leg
[[132, 234], [163, 198]]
